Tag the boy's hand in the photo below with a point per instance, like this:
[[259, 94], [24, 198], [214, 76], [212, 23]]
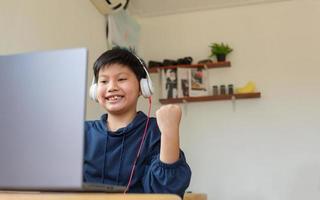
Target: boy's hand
[[168, 118]]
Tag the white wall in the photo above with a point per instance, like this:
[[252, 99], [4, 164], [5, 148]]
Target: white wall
[[268, 148], [36, 25]]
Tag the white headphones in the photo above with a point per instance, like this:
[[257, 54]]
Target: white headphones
[[145, 84]]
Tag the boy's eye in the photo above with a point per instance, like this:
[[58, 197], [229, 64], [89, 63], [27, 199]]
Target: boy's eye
[[103, 81], [122, 79]]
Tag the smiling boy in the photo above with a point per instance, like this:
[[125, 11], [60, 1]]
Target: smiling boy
[[112, 143]]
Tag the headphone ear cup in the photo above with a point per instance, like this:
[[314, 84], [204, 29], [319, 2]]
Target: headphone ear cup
[[93, 92], [146, 88]]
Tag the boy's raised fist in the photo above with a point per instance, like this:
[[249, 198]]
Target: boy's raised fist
[[168, 118]]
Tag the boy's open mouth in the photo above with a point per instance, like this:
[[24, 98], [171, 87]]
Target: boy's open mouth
[[114, 98]]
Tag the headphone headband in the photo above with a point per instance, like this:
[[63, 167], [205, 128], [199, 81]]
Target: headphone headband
[[145, 83]]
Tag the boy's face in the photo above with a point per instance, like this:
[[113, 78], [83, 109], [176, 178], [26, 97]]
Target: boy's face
[[118, 89]]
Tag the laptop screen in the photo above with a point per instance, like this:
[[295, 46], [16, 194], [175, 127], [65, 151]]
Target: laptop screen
[[42, 106]]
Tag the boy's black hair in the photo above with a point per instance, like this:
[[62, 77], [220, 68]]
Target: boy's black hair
[[121, 56]]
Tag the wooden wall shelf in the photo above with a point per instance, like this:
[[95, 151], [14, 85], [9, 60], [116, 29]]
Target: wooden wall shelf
[[203, 98], [211, 98], [208, 65]]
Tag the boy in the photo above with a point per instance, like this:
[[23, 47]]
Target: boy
[[111, 143]]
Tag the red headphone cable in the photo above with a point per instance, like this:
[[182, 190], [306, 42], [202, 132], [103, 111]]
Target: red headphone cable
[[140, 147]]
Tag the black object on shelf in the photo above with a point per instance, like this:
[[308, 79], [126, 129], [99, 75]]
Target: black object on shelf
[[215, 90], [168, 62], [222, 89], [185, 61], [230, 89], [153, 63]]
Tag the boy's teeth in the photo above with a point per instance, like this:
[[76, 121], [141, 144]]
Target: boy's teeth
[[114, 98]]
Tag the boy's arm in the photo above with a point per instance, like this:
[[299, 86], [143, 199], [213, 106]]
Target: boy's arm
[[168, 119], [169, 171]]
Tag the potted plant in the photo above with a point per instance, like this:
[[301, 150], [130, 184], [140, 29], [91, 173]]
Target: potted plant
[[220, 50]]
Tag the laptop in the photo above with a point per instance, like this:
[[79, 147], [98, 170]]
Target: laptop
[[42, 114]]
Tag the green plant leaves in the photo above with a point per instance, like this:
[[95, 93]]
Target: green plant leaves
[[220, 48]]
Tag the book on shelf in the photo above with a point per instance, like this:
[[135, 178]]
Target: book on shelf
[[169, 86], [198, 82], [184, 82]]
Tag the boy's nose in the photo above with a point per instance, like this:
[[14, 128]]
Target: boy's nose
[[112, 86]]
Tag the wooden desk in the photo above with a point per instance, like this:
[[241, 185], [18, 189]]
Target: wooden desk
[[82, 196], [195, 196]]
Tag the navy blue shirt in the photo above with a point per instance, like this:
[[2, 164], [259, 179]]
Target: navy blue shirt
[[109, 157]]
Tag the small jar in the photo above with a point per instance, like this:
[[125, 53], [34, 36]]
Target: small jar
[[222, 89], [215, 90], [230, 89]]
